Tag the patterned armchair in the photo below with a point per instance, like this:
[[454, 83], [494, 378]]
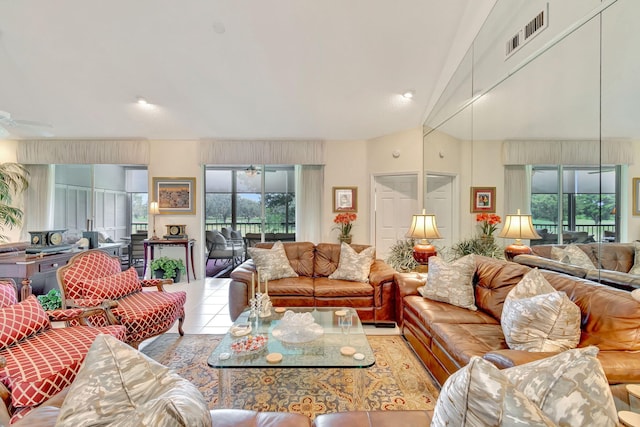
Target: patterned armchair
[[38, 361], [94, 278]]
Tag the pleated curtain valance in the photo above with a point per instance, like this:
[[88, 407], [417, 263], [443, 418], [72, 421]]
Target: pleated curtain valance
[[262, 152], [574, 153], [112, 152]]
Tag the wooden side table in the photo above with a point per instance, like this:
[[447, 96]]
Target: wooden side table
[[188, 244]]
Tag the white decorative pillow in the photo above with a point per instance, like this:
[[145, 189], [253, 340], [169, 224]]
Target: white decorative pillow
[[119, 386], [479, 394], [451, 282], [572, 254], [272, 263], [536, 317], [354, 266], [570, 388], [635, 269]]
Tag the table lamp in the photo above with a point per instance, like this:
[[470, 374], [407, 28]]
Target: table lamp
[[423, 227], [518, 227], [154, 210]]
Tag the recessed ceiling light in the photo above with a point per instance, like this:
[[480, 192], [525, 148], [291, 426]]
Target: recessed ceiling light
[[142, 101], [409, 94], [219, 28]]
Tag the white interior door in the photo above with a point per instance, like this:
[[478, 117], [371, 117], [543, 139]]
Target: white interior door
[[396, 200], [439, 201]]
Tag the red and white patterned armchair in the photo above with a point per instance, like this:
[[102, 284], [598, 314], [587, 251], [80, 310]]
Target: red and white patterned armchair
[[94, 278], [41, 360]]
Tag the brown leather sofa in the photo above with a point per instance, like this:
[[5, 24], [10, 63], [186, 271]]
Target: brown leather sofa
[[445, 337], [612, 263], [314, 263], [47, 414]]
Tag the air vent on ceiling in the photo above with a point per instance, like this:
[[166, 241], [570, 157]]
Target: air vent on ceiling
[[526, 33]]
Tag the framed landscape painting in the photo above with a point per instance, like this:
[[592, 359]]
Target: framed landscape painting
[[175, 196], [483, 199]]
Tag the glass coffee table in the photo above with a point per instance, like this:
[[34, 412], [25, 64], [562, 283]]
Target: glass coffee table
[[335, 340]]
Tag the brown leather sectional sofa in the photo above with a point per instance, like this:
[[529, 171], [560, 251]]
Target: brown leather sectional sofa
[[445, 336], [613, 262], [374, 301], [46, 415]]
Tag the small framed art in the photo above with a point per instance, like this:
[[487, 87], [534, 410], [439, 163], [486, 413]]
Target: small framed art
[[345, 199], [636, 196], [483, 199], [175, 196]]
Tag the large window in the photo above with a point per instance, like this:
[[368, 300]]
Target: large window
[[250, 199], [574, 204]]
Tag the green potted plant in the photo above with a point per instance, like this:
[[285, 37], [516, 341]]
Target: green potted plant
[[13, 180], [401, 256], [51, 300], [168, 268]]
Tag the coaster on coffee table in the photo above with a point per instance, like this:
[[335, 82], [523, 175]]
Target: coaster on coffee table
[[347, 351]]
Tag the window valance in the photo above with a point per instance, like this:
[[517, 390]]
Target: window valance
[[575, 153], [267, 152], [94, 151]]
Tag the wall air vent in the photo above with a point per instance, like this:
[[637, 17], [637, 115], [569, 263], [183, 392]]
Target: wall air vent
[[527, 32]]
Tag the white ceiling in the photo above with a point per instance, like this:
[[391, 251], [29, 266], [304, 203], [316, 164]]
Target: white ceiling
[[330, 69]]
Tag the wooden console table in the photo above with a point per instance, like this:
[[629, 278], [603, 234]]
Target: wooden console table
[[150, 244]]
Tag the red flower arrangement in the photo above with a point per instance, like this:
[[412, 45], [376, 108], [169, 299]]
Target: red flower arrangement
[[345, 222], [489, 223]]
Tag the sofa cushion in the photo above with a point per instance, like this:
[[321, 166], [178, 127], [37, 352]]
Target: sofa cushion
[[572, 254], [451, 282], [635, 269], [113, 287], [570, 388], [8, 294], [19, 321], [32, 381], [536, 317], [480, 395], [273, 263], [354, 266], [123, 387]]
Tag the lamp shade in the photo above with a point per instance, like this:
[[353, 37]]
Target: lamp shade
[[153, 208], [423, 226], [518, 227]]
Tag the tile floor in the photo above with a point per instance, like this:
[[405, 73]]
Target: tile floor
[[207, 310]]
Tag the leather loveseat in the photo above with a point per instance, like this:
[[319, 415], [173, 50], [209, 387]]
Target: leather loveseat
[[313, 288], [612, 262], [47, 414], [445, 337]]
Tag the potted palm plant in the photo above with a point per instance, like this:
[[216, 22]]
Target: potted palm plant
[[167, 268], [13, 181]]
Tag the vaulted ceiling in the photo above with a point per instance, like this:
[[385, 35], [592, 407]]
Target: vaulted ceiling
[[331, 69]]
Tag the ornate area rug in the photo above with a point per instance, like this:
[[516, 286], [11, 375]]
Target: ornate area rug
[[397, 380]]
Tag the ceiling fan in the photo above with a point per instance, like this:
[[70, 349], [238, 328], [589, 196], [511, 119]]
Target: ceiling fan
[[13, 127]]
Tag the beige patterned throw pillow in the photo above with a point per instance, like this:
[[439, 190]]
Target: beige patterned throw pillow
[[451, 282], [572, 254], [635, 269], [118, 386], [272, 263], [479, 394], [354, 266], [570, 388], [536, 317]]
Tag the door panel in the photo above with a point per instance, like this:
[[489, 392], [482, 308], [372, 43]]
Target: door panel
[[439, 201], [396, 200]]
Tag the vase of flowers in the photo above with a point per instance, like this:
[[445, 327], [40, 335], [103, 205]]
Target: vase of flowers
[[344, 223], [488, 224]]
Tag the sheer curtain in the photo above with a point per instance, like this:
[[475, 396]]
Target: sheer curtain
[[309, 187], [517, 189], [38, 200]]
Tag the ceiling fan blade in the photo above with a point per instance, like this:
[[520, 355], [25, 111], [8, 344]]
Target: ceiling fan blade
[[3, 132]]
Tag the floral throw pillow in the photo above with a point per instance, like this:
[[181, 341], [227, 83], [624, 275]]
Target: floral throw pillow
[[572, 254], [119, 386], [570, 388], [272, 263], [479, 394], [635, 269], [536, 317], [451, 282], [354, 266]]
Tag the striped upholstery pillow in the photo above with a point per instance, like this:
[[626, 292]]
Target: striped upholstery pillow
[[113, 287]]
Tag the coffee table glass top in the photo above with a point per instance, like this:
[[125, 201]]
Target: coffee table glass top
[[334, 337]]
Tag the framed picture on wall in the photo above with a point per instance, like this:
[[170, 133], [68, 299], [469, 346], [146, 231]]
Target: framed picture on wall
[[636, 196], [345, 199], [483, 199], [175, 196]]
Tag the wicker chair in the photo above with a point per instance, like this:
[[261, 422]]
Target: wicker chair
[[93, 278]]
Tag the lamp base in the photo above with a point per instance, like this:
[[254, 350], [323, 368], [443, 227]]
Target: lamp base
[[512, 251], [422, 253]]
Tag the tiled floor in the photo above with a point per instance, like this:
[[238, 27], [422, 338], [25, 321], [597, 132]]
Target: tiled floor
[[207, 312]]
